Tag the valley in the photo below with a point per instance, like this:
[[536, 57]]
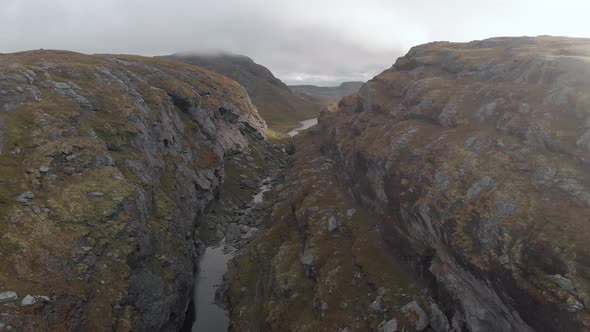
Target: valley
[[200, 193]]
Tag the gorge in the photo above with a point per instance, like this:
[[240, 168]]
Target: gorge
[[450, 193]]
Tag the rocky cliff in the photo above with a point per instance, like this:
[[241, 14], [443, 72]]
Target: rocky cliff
[[106, 164], [475, 158], [279, 107]]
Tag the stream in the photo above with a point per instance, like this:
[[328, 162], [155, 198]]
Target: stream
[[304, 125], [207, 315], [203, 314]]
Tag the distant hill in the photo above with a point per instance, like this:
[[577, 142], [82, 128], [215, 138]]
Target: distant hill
[[280, 108], [327, 96], [344, 89]]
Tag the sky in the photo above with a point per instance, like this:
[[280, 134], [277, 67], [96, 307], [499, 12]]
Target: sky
[[321, 42]]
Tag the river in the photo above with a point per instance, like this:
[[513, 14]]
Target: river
[[207, 315], [203, 314]]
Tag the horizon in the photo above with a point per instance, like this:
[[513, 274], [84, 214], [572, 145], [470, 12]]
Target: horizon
[[338, 41]]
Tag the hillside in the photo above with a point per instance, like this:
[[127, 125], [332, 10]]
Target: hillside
[[450, 194], [326, 95], [340, 91], [106, 165], [281, 109], [474, 156]]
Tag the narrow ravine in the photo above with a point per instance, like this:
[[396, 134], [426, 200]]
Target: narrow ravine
[[240, 210]]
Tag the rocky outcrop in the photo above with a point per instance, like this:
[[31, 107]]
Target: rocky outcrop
[[281, 108], [106, 165], [475, 158]]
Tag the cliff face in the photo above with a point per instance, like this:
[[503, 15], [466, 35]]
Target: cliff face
[[475, 157], [279, 107], [106, 164]]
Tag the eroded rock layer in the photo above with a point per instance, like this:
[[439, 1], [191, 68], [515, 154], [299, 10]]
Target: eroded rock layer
[[106, 164], [475, 157]]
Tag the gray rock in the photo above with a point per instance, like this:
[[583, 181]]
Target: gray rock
[[574, 189], [483, 184], [486, 111], [43, 298], [103, 160], [8, 297], [44, 169], [574, 305], [36, 209], [524, 108], [25, 198], [403, 141], [350, 212], [441, 180], [61, 85], [389, 326], [332, 224], [309, 260], [438, 321], [539, 136], [502, 209], [416, 315], [474, 144], [28, 301], [84, 103], [583, 141], [95, 194], [562, 282], [377, 304], [233, 233], [544, 174], [448, 116], [71, 157]]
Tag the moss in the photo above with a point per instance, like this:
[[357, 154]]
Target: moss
[[274, 135], [73, 202]]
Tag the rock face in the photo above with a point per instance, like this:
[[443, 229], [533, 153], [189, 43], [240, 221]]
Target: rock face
[[475, 157], [106, 165], [297, 275], [281, 109]]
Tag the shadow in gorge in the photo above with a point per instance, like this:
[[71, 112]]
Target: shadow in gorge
[[203, 314]]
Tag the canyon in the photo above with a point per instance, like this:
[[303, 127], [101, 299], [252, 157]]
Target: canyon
[[449, 193]]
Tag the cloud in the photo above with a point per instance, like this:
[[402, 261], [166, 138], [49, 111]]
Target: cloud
[[323, 42]]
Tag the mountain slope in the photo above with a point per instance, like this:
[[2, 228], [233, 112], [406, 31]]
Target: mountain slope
[[475, 158], [106, 165], [326, 95], [281, 109]]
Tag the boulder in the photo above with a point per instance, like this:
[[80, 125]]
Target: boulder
[[414, 313]]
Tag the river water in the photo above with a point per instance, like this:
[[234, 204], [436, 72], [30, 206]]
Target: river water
[[304, 125], [207, 315], [204, 315]]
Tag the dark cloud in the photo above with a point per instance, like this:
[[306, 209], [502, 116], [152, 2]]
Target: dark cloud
[[322, 42]]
